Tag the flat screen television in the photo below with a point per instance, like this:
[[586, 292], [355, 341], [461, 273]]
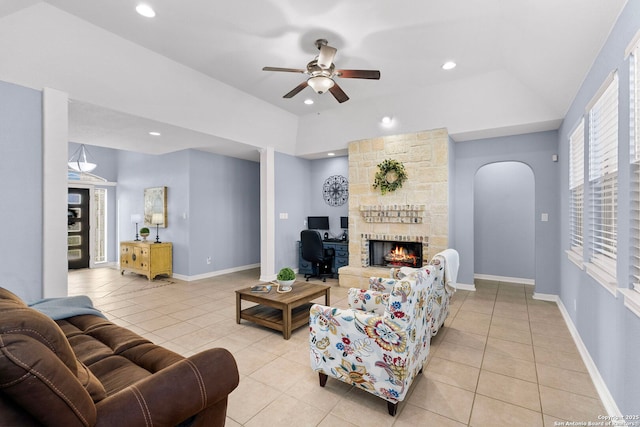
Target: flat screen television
[[318, 222], [344, 222]]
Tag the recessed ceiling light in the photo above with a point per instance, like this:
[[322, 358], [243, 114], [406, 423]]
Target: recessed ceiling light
[[387, 120], [449, 65], [155, 133], [331, 154], [145, 10], [308, 101]]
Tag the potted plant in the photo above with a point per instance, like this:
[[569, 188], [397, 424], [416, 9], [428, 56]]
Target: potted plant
[[144, 232], [286, 277]]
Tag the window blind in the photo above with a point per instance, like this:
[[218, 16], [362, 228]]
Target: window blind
[[576, 187], [603, 176], [634, 111]]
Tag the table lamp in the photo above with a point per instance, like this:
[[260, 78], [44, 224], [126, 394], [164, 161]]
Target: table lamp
[[136, 219], [157, 219]]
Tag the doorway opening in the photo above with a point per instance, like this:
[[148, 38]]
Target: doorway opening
[[504, 222], [86, 227]]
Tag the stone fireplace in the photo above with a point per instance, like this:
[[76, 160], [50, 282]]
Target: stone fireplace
[[410, 224]]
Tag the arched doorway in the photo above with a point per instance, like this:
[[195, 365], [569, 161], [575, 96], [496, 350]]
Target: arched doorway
[[504, 222]]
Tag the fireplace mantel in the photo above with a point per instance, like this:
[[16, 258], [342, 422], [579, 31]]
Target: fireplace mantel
[[404, 214]]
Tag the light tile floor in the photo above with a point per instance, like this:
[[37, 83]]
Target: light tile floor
[[502, 359]]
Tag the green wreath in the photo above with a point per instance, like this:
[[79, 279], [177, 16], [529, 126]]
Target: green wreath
[[390, 176]]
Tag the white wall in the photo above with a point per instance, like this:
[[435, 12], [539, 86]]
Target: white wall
[[47, 47]]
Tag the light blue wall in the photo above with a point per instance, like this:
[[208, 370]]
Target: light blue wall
[[504, 223], [320, 171], [21, 190], [535, 150], [452, 191], [138, 171], [213, 207], [292, 183], [610, 331], [223, 211], [298, 184]]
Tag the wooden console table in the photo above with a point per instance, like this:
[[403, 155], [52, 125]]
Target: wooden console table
[[281, 311], [146, 258]]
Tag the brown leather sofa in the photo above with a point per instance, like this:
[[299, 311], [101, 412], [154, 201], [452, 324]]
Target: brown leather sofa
[[87, 371]]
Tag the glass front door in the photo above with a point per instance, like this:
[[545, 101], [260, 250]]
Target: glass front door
[[78, 228]]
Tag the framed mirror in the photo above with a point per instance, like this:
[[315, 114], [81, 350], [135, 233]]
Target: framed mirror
[[155, 203]]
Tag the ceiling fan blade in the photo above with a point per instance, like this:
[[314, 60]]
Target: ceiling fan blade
[[359, 74], [338, 93], [325, 58], [296, 90], [288, 70]]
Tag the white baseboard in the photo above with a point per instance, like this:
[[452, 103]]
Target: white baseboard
[[109, 264], [214, 273], [505, 279], [465, 287], [607, 399], [545, 297]]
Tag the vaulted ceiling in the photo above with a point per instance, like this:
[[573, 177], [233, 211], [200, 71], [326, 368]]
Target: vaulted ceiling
[[519, 66]]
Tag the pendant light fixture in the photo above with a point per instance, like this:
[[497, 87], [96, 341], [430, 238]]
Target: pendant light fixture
[[80, 161]]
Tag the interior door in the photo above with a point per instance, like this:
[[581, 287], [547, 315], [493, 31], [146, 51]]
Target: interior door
[[78, 228]]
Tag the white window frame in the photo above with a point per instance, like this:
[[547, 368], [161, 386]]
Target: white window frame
[[632, 294], [602, 115], [100, 210], [576, 195]]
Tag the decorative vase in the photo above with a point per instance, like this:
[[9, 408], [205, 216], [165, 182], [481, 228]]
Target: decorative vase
[[286, 284], [144, 236]]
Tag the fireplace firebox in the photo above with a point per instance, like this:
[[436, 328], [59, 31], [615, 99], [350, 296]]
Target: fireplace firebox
[[385, 253]]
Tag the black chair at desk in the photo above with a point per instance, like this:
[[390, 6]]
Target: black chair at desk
[[313, 251]]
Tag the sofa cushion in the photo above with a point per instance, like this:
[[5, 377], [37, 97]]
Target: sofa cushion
[[18, 319], [22, 329], [90, 383], [117, 373], [7, 295], [31, 374]]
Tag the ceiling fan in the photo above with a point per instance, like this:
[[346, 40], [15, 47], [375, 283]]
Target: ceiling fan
[[322, 71]]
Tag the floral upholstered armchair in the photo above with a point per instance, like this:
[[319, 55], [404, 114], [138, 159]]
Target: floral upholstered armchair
[[445, 264], [382, 341]]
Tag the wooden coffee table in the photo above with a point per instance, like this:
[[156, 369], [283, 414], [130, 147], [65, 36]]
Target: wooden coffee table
[[281, 311]]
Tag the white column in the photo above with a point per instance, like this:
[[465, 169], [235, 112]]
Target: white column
[[267, 215], [55, 137]]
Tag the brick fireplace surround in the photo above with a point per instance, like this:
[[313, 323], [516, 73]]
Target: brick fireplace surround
[[417, 212]]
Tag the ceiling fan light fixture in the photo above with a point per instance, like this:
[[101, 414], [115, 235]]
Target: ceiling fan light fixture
[[320, 84], [321, 72]]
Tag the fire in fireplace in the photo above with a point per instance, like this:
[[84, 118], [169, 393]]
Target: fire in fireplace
[[383, 253]]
